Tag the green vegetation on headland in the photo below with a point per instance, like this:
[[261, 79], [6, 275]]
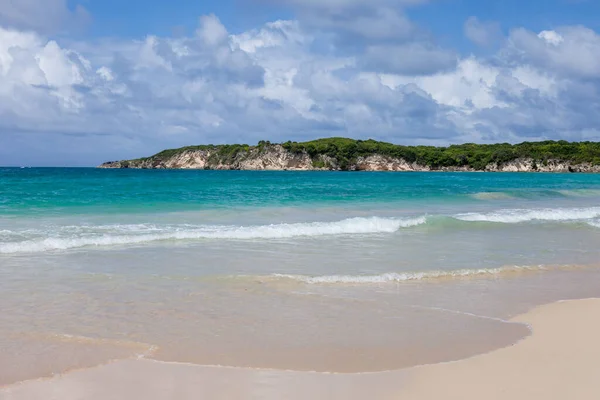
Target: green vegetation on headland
[[344, 154], [476, 156]]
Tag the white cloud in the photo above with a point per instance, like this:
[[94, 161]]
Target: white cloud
[[211, 31], [470, 83], [551, 37], [148, 56], [105, 73], [273, 34], [568, 50], [112, 99], [36, 72]]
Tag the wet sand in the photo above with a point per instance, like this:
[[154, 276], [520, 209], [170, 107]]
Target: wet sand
[[558, 361]]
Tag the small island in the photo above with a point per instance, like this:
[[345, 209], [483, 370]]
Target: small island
[[342, 154]]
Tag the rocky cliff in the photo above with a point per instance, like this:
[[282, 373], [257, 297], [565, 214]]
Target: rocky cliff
[[273, 158], [276, 158]]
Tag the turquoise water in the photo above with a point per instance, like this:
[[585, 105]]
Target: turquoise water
[[49, 210], [66, 191], [295, 263]]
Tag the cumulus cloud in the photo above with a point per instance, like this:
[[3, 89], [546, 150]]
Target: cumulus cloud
[[87, 102], [568, 50], [145, 90], [378, 33], [482, 33], [211, 30]]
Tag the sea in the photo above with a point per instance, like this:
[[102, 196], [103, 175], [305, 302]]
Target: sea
[[340, 272]]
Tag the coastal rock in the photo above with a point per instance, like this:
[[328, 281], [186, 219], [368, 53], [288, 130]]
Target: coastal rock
[[378, 162], [530, 165], [271, 158], [274, 157]]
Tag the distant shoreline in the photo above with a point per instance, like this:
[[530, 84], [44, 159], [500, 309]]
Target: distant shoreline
[[442, 171], [340, 154]]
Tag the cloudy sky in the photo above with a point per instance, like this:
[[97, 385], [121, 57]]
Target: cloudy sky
[[82, 82]]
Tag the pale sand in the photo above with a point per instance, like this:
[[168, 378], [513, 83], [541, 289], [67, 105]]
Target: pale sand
[[561, 360]]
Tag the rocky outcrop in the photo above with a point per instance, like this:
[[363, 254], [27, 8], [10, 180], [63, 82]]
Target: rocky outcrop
[[276, 158], [271, 158], [378, 162], [530, 165]]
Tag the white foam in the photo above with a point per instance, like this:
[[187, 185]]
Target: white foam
[[143, 234], [407, 276], [522, 215], [595, 224]]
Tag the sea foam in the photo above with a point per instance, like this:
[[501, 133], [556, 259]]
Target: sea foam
[[595, 224], [127, 235], [523, 215], [78, 236], [410, 276]]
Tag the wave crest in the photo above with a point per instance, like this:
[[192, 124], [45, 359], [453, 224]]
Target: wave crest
[[72, 237], [352, 226], [595, 224], [523, 215], [409, 276]]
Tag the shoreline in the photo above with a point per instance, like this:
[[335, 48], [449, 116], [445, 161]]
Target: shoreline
[[441, 171], [553, 348], [351, 155], [353, 171]]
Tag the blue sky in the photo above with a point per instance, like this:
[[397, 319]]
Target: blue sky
[[136, 18], [85, 81]]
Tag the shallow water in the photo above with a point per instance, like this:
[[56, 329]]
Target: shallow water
[[346, 272]]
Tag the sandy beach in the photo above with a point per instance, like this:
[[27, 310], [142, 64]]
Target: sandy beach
[[558, 361]]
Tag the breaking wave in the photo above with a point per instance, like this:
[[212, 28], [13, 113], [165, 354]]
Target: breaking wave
[[523, 215], [72, 237], [410, 276], [595, 224], [138, 234]]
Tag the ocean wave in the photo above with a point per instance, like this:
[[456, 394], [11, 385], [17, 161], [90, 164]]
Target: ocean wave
[[524, 215], [595, 224], [66, 237], [408, 276], [535, 194], [351, 226], [580, 192]]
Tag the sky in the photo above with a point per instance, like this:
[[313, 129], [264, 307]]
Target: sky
[[88, 81]]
